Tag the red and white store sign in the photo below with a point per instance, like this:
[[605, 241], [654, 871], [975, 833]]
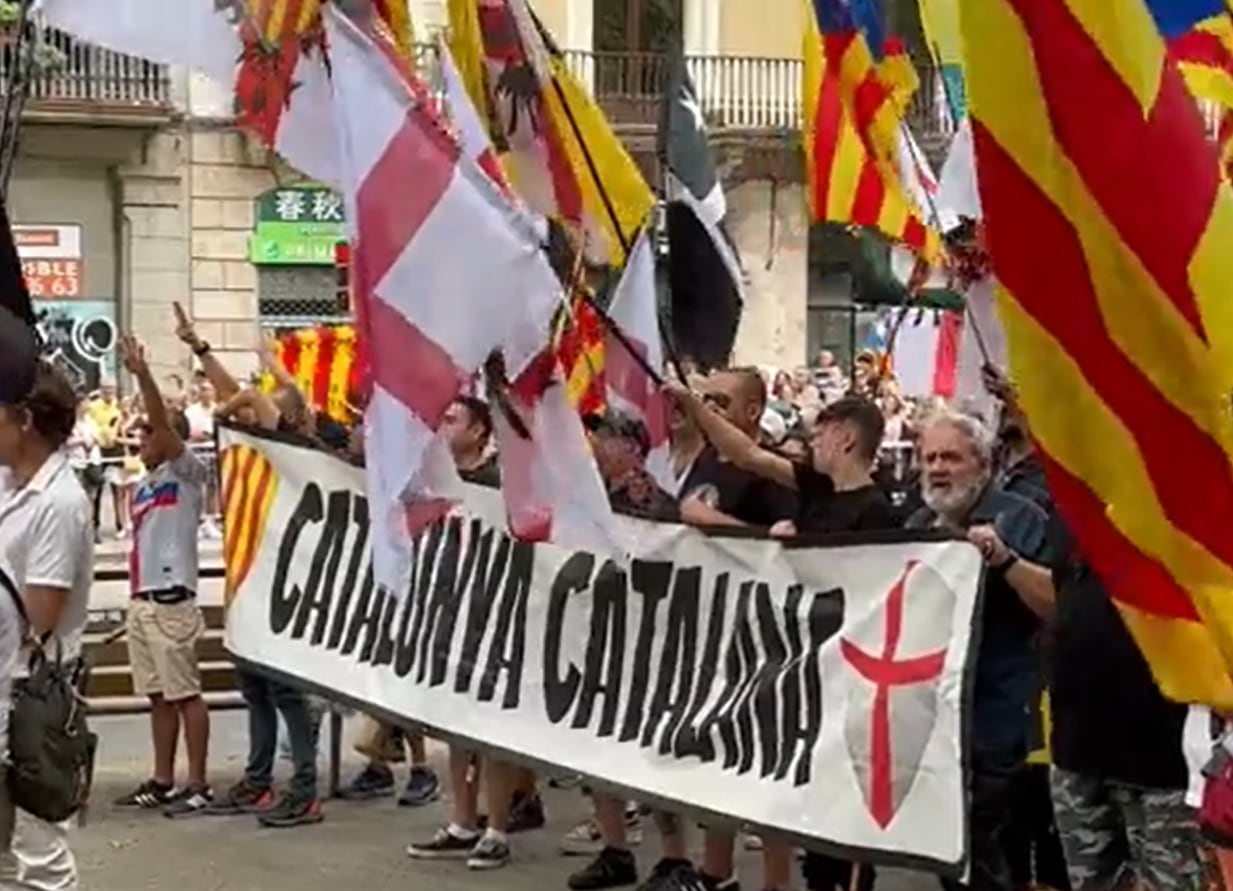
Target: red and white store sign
[[50, 260]]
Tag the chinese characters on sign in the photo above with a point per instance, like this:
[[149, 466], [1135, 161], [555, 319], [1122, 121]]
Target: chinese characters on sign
[[297, 226], [50, 260]]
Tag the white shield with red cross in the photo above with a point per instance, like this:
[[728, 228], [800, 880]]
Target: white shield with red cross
[[897, 654]]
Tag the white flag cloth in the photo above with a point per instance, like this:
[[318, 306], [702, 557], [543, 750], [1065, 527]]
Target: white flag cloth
[[958, 191], [472, 131], [553, 490], [287, 94], [634, 310], [446, 271]]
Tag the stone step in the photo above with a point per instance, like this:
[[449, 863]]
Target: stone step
[[103, 651], [139, 705], [111, 681]]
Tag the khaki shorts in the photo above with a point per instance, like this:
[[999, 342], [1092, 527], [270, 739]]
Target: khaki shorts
[[162, 648]]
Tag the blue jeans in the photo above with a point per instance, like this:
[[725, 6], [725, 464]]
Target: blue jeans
[[266, 700]]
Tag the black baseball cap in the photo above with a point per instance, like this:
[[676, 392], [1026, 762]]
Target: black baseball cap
[[19, 358], [621, 426]]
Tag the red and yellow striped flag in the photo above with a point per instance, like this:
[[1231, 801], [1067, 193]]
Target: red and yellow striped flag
[[580, 350], [1110, 229], [278, 20], [854, 139], [1204, 54], [325, 366]]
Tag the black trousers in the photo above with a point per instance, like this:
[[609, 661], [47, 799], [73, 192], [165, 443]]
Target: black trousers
[[989, 803], [1033, 849]]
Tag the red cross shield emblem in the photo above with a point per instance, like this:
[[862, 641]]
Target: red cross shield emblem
[[892, 707]]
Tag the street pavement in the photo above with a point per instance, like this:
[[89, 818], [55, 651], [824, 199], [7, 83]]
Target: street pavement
[[359, 846]]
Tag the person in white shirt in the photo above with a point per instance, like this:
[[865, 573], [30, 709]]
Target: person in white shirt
[[11, 634], [46, 538], [164, 621]]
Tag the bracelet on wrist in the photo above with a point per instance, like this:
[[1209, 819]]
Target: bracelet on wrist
[[201, 348]]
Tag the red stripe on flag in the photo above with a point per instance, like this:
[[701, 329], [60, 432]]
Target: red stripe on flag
[[400, 192], [412, 367], [870, 194], [828, 125], [1064, 303], [326, 344], [627, 378], [1131, 576], [1202, 48], [946, 354], [1140, 171]]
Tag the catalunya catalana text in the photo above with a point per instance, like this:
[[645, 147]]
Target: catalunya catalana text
[[691, 661]]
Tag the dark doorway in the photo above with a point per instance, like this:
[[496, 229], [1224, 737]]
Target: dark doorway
[[632, 42]]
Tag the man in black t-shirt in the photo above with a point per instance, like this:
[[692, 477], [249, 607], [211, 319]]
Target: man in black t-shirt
[[1120, 776]]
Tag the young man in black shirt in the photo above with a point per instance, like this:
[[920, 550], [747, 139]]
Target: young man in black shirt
[[835, 493]]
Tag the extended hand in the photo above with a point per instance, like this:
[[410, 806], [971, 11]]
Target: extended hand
[[133, 355]]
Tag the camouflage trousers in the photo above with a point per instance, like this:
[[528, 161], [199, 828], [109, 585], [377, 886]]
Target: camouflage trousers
[[1117, 836]]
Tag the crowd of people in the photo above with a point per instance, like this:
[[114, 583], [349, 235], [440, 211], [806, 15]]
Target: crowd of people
[[813, 450]]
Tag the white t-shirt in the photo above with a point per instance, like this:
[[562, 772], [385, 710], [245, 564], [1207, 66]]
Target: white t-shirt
[[166, 511], [47, 537], [200, 420], [10, 642]]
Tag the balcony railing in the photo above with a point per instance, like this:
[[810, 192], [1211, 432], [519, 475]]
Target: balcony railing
[[91, 78]]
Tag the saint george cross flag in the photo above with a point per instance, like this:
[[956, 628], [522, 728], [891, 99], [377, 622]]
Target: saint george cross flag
[[704, 271], [634, 309], [471, 130], [270, 52], [446, 271]]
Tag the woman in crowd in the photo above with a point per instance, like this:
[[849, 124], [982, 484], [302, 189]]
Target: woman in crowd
[[86, 458]]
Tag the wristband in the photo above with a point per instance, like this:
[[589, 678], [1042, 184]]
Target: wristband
[[1006, 564], [201, 349]]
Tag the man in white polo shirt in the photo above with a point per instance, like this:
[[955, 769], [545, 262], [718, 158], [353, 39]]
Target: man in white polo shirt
[[164, 621], [47, 540]]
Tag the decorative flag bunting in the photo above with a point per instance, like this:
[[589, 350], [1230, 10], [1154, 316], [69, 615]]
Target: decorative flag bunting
[[856, 89], [704, 272], [1121, 341]]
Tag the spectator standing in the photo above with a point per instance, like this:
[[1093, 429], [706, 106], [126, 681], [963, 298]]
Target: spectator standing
[[86, 459], [200, 416], [105, 411], [164, 620], [47, 539]]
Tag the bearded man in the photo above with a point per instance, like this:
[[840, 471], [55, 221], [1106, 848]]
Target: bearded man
[[1012, 534]]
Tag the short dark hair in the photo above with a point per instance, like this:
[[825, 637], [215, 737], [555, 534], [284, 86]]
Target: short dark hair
[[479, 413], [621, 426], [752, 382], [864, 416], [52, 404]]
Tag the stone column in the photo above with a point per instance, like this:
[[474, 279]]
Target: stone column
[[773, 328], [227, 173], [153, 248]]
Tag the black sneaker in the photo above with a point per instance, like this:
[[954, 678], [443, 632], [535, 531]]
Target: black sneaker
[[242, 799], [490, 852], [189, 803], [444, 846], [611, 868], [673, 875], [526, 813], [422, 788], [291, 811], [148, 795], [374, 781]]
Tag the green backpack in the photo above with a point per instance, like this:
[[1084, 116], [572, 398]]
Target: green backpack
[[51, 748]]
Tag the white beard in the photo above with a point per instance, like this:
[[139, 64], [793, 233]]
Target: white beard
[[951, 504]]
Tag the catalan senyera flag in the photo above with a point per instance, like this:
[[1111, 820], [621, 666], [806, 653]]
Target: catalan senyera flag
[[857, 85], [323, 361], [1204, 54], [1109, 226], [248, 485], [580, 339], [556, 144]]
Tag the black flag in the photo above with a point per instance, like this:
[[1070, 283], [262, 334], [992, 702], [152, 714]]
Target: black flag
[[704, 271], [19, 346]]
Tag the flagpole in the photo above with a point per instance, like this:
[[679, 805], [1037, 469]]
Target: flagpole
[[953, 113], [17, 86]]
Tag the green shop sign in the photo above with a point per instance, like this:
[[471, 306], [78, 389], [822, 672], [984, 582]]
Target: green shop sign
[[297, 226]]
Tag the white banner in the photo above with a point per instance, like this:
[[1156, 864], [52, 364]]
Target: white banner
[[816, 691]]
